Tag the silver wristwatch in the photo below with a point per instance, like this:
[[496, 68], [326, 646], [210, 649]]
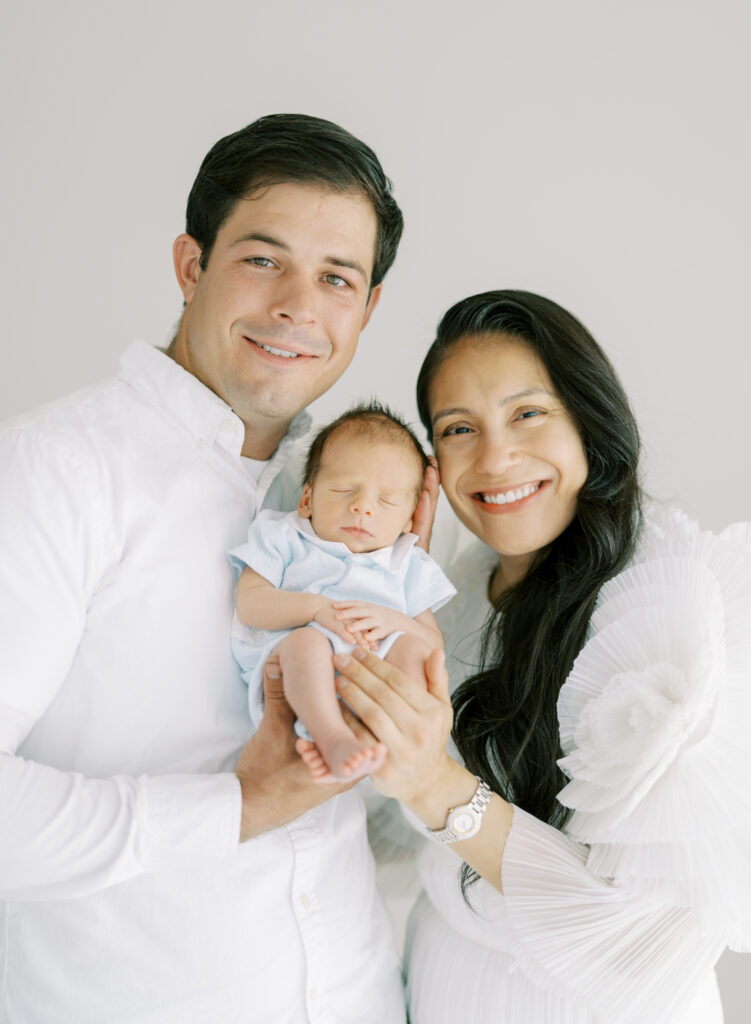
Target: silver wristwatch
[[464, 821]]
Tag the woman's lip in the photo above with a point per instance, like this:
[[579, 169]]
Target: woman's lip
[[510, 506]]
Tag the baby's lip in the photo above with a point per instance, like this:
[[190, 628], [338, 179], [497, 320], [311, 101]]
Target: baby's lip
[[357, 530]]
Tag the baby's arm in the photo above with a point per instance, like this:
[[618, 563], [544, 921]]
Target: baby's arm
[[263, 606], [375, 622]]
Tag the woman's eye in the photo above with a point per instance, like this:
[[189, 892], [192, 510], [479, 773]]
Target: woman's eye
[[457, 428], [528, 414], [334, 279]]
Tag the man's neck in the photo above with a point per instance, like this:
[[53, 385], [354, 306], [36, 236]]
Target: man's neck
[[262, 439]]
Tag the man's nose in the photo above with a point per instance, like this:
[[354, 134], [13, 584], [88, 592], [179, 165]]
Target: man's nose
[[294, 299]]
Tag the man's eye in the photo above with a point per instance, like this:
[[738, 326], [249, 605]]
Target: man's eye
[[260, 261], [334, 279]]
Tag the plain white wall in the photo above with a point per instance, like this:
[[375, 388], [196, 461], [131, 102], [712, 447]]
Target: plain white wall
[[594, 151]]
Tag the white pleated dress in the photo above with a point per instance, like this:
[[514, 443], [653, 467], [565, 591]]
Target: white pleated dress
[[622, 916]]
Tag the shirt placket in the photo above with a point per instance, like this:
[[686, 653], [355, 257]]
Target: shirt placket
[[306, 837]]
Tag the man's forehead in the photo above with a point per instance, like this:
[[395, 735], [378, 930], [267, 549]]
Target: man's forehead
[[288, 213]]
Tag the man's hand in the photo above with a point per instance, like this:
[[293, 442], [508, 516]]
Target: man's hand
[[276, 785], [424, 514]]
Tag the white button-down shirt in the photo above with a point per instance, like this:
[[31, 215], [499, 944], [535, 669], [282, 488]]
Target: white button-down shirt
[[127, 896]]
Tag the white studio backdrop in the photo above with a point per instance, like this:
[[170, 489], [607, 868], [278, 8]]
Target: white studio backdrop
[[593, 151]]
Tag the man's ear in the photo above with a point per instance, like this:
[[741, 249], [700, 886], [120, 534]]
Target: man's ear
[[186, 255], [304, 509], [373, 298]]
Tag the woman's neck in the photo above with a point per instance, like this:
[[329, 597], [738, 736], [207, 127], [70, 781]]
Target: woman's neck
[[510, 570]]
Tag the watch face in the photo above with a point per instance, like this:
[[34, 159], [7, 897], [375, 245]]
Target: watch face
[[463, 822]]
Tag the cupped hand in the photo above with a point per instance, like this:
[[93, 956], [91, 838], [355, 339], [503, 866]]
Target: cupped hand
[[424, 514], [411, 717], [275, 783]]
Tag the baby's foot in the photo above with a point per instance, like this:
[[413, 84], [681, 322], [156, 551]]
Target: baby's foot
[[347, 760]]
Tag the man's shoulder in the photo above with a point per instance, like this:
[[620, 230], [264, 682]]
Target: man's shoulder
[[73, 428]]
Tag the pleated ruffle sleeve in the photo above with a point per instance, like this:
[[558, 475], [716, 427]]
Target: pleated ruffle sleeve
[[651, 878]]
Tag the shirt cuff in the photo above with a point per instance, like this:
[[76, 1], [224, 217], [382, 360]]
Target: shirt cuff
[[189, 818]]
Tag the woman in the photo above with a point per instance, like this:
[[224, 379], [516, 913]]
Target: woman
[[601, 659]]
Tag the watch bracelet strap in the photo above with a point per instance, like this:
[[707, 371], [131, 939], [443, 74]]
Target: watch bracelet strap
[[478, 803]]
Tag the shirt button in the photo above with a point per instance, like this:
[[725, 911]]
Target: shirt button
[[304, 900], [312, 993], [227, 426], [202, 444]]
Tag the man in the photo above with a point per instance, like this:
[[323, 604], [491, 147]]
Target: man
[[150, 873]]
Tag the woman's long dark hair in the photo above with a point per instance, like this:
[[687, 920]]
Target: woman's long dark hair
[[506, 726]]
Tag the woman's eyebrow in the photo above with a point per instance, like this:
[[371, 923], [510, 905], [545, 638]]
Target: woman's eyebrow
[[459, 410]]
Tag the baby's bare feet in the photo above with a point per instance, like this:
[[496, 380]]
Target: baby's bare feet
[[347, 760]]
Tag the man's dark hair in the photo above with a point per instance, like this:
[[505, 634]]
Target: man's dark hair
[[372, 420], [295, 148]]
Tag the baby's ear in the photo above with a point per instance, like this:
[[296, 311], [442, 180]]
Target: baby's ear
[[304, 509]]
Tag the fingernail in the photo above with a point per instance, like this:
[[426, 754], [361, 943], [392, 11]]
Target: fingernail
[[340, 660], [272, 671], [359, 653]]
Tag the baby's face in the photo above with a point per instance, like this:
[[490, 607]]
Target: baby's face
[[364, 493]]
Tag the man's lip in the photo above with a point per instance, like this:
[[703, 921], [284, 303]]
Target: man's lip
[[511, 506], [281, 346]]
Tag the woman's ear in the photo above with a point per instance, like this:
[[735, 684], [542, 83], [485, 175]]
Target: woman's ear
[[304, 509]]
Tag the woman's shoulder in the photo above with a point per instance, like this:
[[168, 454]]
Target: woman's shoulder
[[654, 719]]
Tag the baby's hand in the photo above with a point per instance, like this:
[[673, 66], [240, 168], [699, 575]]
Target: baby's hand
[[326, 617], [372, 621]]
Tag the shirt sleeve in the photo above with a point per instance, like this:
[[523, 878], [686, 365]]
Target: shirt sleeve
[[268, 548], [65, 835], [630, 908], [425, 585]]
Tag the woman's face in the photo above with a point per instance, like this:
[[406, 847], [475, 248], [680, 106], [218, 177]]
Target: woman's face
[[511, 459]]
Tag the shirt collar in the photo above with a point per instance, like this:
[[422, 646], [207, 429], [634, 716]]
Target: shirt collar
[[204, 415]]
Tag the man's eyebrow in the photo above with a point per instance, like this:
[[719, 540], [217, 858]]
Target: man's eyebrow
[[335, 261], [458, 410], [257, 236]]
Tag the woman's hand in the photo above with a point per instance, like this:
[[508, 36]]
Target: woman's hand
[[424, 514], [412, 719]]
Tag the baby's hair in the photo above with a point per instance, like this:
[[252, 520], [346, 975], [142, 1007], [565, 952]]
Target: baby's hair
[[373, 420]]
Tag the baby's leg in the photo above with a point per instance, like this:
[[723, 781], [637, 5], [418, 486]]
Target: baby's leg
[[409, 653], [308, 673]]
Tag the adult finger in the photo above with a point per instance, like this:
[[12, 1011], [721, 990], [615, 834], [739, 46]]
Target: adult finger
[[393, 689], [275, 702], [424, 514], [436, 675]]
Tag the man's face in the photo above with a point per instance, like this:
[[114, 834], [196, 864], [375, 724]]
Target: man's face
[[273, 320]]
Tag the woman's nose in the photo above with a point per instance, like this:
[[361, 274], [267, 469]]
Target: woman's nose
[[496, 454]]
